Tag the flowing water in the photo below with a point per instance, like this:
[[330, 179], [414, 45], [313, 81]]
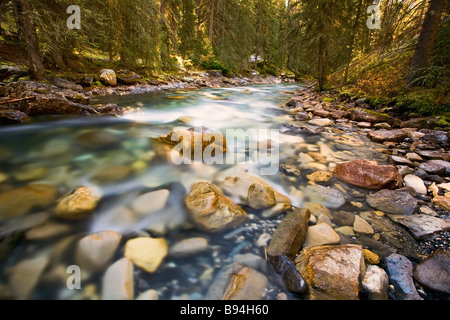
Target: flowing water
[[115, 157]]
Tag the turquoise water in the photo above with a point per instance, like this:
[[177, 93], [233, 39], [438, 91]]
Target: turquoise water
[[115, 157]]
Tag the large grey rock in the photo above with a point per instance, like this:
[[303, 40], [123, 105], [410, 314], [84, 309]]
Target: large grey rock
[[400, 272], [434, 271], [393, 201], [13, 117], [433, 168]]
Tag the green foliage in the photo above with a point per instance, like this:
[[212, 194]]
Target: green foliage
[[212, 64]]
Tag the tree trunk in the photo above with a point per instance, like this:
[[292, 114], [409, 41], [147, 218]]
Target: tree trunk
[[29, 34], [211, 21], [321, 64], [352, 42], [427, 39]]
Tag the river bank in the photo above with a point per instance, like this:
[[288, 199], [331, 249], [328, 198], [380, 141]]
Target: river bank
[[23, 100]]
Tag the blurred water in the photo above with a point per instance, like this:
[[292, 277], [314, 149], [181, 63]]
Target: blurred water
[[115, 157]]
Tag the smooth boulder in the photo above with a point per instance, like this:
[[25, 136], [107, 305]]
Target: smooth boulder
[[78, 204], [237, 282], [212, 211], [146, 253]]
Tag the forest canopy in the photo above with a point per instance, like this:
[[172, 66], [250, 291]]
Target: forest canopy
[[331, 41]]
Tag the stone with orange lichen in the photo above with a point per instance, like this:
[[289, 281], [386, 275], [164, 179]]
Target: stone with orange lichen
[[77, 204]]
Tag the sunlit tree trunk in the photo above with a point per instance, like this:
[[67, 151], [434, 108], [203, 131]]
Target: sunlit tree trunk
[[211, 21], [427, 39], [30, 36], [352, 41]]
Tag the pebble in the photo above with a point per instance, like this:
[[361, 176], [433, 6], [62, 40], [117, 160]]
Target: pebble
[[401, 160], [346, 230], [118, 282], [376, 283], [77, 204], [413, 157], [329, 197], [434, 271], [319, 235], [148, 295], [432, 168], [263, 240], [96, 250], [151, 202], [146, 253], [320, 176], [46, 231], [24, 276], [362, 226], [427, 210], [416, 183], [321, 122], [372, 258], [252, 260], [189, 247]]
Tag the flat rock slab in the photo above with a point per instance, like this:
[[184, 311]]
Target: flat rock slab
[[433, 168], [389, 135], [433, 154], [422, 225], [434, 271], [393, 201]]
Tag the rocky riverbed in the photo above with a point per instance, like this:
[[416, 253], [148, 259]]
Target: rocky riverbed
[[359, 210]]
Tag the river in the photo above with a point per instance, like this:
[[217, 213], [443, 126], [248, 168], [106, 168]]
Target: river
[[115, 157]]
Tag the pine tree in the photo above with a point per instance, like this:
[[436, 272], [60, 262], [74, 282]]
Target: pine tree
[[427, 39], [30, 36], [188, 28]]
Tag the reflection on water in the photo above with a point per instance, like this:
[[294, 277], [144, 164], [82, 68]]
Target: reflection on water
[[143, 195]]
